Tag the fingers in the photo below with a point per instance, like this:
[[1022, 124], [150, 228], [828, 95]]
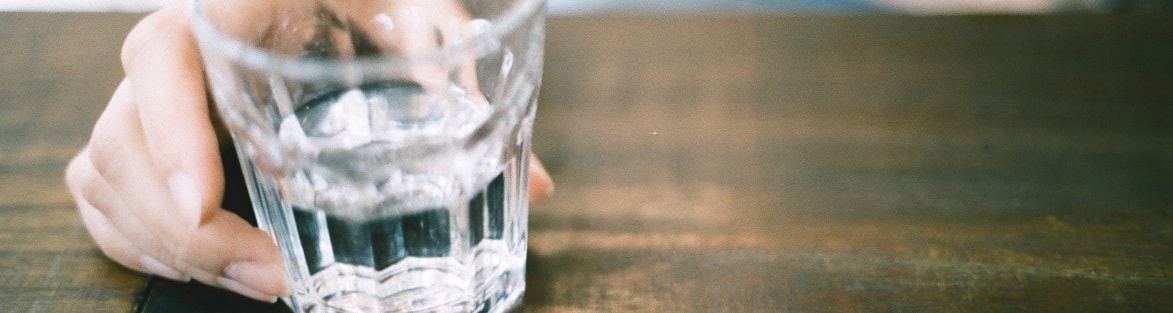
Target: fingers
[[228, 252], [540, 183], [153, 211], [150, 183], [416, 30], [162, 62], [248, 20], [137, 203], [420, 28], [152, 199], [82, 178], [223, 239]]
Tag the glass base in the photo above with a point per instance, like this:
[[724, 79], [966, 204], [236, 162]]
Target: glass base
[[414, 285]]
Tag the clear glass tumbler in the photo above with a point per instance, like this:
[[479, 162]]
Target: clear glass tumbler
[[385, 143]]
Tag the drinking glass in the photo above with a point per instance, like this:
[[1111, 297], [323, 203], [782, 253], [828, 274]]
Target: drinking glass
[[384, 143]]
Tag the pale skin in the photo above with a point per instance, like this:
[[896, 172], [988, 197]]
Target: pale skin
[[149, 183]]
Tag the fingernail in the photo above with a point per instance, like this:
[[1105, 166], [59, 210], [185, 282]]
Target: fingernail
[[245, 290], [186, 195], [255, 280], [154, 266]]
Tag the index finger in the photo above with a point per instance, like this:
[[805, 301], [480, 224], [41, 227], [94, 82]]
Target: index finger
[[162, 62]]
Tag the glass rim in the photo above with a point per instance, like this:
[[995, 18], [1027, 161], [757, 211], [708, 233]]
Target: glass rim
[[210, 38]]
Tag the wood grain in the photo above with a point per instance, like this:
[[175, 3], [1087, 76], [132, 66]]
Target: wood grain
[[57, 71], [855, 163], [737, 164]]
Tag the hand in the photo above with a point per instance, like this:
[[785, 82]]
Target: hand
[[150, 182]]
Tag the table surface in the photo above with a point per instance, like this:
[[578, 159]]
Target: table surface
[[735, 164]]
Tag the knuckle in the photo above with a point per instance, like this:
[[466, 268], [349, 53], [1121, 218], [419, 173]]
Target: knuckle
[[74, 171], [102, 236], [111, 251], [145, 35], [84, 183], [109, 240], [103, 159], [139, 39], [91, 192], [108, 141]]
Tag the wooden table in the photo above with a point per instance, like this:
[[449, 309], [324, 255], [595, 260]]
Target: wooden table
[[736, 164]]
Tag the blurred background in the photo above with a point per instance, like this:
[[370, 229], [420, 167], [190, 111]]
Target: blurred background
[[580, 7]]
